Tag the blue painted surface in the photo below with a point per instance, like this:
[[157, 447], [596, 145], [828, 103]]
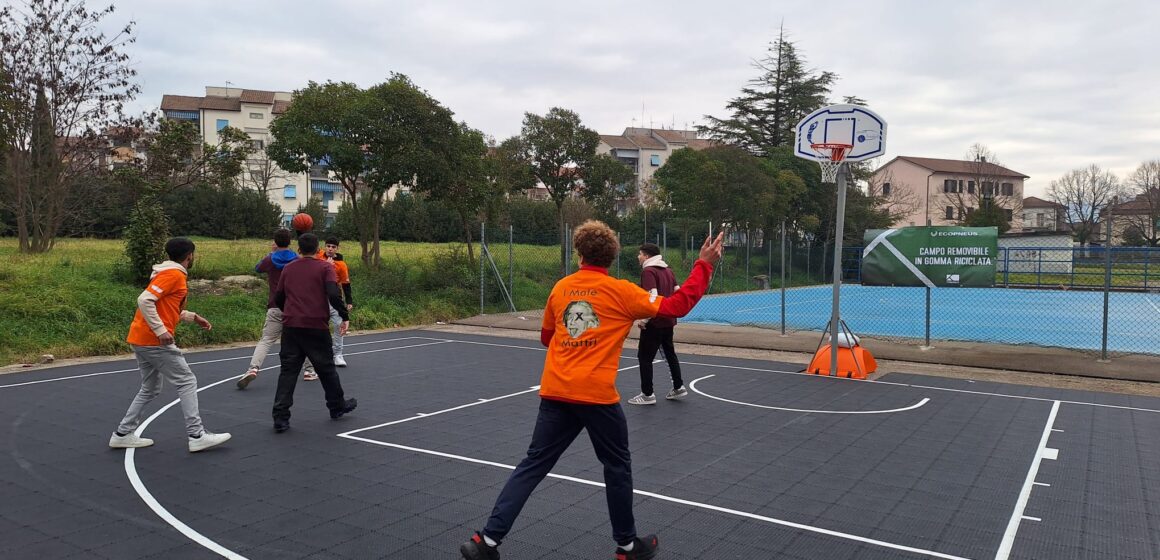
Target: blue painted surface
[[1061, 318]]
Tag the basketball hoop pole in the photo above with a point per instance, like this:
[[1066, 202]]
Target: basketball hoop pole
[[839, 231]]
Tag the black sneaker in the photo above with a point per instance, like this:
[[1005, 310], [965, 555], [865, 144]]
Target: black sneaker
[[347, 406], [642, 549], [281, 426], [478, 549]]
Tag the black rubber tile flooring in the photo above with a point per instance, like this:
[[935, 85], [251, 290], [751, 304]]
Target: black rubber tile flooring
[[757, 462]]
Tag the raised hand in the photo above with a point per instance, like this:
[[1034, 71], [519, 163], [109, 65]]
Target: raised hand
[[712, 249]]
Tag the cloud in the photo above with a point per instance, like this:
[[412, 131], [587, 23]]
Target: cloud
[[1048, 87]]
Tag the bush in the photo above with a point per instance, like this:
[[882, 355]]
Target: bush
[[223, 212], [145, 238]]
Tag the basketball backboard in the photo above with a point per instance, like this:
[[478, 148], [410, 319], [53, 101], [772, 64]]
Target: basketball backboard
[[854, 125]]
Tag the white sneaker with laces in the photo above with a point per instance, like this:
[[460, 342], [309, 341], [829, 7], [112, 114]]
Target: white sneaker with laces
[[339, 360], [128, 440], [206, 441], [643, 399], [679, 392]]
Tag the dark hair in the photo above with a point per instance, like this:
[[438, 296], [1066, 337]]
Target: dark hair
[[178, 248], [332, 240], [650, 249], [596, 242], [308, 244], [282, 238]]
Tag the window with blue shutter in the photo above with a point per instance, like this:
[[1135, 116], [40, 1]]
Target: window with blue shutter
[[222, 123], [290, 191], [655, 160]]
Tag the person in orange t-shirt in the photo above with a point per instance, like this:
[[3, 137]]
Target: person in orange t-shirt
[[159, 308], [586, 320], [342, 273]]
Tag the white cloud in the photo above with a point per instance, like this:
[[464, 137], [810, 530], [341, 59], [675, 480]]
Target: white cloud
[[1049, 87]]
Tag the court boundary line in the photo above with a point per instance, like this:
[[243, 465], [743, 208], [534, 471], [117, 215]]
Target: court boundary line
[[693, 386], [101, 373], [844, 379], [1017, 517], [153, 504], [654, 495]]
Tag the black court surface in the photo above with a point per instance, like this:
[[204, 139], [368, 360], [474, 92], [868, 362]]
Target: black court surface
[[757, 462]]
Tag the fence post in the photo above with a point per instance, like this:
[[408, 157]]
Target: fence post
[[1107, 290], [482, 243], [927, 317], [618, 255], [1007, 266], [664, 238], [782, 275], [511, 263], [747, 279]]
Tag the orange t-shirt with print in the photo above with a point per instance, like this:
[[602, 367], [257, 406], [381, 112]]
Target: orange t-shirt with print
[[170, 288], [591, 314]]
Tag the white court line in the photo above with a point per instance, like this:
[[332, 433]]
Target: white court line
[[693, 386], [147, 497], [842, 379], [787, 304], [1149, 300], [99, 373], [747, 515], [1025, 494]]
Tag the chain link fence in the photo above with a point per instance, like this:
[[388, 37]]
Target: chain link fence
[[1100, 301]]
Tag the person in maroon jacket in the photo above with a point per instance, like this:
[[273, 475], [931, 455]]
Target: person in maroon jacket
[[307, 290], [658, 278]]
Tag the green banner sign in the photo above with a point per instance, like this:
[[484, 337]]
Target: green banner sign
[[930, 256]]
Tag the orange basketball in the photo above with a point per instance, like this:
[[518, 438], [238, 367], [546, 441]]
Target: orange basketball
[[302, 222]]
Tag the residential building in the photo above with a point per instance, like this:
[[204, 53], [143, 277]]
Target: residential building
[[1043, 215], [252, 111], [645, 150], [1135, 221], [939, 192]]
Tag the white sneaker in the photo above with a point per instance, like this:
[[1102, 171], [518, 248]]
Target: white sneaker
[[643, 399], [677, 393], [128, 440], [339, 360], [206, 441]]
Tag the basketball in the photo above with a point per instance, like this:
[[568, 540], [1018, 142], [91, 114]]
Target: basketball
[[302, 222]]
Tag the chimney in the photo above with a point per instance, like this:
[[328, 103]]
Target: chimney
[[983, 159]]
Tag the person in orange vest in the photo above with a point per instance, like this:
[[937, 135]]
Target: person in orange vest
[[159, 308], [586, 320]]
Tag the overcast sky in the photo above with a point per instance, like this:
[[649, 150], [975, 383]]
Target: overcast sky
[[1048, 86]]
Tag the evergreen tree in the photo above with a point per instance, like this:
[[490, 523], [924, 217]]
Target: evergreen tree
[[765, 114]]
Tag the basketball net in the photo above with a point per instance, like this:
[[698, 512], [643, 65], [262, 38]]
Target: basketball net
[[832, 154]]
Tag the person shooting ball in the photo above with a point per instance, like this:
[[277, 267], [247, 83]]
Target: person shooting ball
[[586, 320]]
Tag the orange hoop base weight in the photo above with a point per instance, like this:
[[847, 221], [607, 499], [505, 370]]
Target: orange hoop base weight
[[833, 155]]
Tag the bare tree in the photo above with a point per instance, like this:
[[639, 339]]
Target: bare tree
[[896, 198], [1084, 193], [987, 188], [261, 172], [1142, 214], [55, 50]]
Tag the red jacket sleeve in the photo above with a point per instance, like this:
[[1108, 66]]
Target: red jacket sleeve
[[682, 301]]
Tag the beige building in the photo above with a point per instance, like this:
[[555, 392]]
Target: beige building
[[942, 192], [645, 150], [252, 111], [1043, 215]]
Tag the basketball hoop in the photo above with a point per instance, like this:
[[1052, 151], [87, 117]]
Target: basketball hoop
[[832, 154]]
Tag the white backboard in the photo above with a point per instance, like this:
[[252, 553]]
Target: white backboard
[[844, 124]]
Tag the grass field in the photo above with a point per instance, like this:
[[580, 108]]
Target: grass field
[[75, 300]]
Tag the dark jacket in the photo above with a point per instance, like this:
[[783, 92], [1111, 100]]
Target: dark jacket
[[661, 279], [272, 265], [306, 291]]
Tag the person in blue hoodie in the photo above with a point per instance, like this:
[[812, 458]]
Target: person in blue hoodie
[[272, 265]]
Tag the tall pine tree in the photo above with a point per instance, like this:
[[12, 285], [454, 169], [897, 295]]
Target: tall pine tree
[[764, 116]]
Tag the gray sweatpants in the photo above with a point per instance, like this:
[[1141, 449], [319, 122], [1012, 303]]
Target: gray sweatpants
[[272, 334], [158, 364]]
